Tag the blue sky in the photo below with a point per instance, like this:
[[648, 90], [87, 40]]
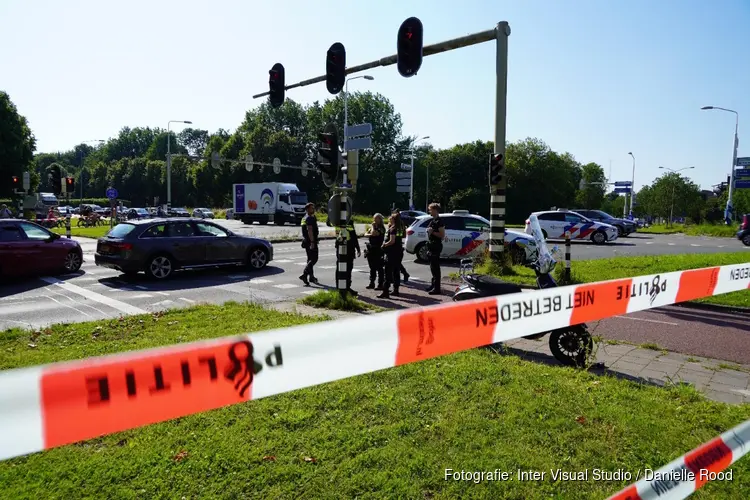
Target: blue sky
[[595, 78]]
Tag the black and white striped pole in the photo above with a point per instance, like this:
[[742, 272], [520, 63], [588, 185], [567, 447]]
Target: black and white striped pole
[[498, 179], [567, 258], [342, 278]]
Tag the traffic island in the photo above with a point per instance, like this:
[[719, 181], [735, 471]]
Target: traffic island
[[332, 299]]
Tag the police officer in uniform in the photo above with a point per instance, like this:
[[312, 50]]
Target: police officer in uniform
[[310, 244], [394, 252], [374, 251], [352, 245], [402, 269], [435, 234]]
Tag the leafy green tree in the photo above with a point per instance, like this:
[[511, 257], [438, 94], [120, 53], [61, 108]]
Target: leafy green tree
[[592, 194], [193, 140], [17, 144]]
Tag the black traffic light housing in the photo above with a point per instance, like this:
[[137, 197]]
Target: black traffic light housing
[[335, 68], [276, 85], [70, 185], [54, 179], [15, 182], [497, 164], [409, 47], [328, 155]]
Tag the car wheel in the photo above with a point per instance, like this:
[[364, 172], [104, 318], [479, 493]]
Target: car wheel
[[160, 267], [422, 252], [746, 240], [73, 261], [599, 237], [257, 258]]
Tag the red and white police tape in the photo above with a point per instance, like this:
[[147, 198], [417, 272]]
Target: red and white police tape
[[685, 475], [47, 406]]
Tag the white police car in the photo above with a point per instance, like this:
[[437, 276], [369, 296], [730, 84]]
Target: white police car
[[556, 223], [466, 237]]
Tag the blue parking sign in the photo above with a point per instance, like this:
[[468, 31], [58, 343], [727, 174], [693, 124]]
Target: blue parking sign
[[111, 193]]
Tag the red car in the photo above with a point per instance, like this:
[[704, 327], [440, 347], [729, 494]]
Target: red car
[[27, 248]]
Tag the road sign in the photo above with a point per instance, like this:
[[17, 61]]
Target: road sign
[[358, 130], [403, 175], [623, 183], [402, 189], [744, 161], [622, 190], [360, 143], [304, 168], [111, 193], [276, 166], [405, 166], [742, 184], [249, 163], [26, 181], [403, 182], [741, 172]]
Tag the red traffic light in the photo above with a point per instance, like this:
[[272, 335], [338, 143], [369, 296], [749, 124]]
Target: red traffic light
[[409, 47], [15, 179], [69, 180]]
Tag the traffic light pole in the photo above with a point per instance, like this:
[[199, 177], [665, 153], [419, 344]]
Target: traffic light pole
[[500, 35]]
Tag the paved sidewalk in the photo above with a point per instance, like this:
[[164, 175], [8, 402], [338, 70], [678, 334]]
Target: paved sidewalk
[[718, 380]]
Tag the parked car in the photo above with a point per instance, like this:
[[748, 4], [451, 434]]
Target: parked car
[[27, 248], [409, 216], [556, 223], [466, 236], [138, 213], [178, 212], [203, 213], [158, 247], [624, 226], [744, 233]]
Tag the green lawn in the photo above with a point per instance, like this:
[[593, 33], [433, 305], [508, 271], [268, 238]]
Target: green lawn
[[389, 434], [332, 299], [84, 232], [718, 230], [587, 271]]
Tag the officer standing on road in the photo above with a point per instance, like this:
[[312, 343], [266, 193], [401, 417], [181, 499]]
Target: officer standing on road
[[401, 267], [436, 234], [374, 251], [310, 244], [352, 245], [394, 252]]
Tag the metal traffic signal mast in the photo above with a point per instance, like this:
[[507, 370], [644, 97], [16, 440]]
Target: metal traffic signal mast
[[408, 59]]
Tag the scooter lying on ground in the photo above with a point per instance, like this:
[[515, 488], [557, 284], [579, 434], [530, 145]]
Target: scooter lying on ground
[[570, 345]]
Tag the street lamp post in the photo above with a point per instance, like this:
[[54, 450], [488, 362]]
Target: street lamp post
[[83, 168], [169, 163], [674, 185], [728, 212], [411, 177], [346, 99], [632, 188]]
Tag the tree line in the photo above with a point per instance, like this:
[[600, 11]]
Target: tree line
[[134, 163]]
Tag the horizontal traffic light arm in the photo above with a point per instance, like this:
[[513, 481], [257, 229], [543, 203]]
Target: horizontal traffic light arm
[[428, 50]]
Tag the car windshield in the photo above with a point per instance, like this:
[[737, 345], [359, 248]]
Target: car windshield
[[298, 198], [121, 230], [603, 214], [141, 210]]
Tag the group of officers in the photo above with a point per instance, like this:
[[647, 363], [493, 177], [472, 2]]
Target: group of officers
[[384, 251]]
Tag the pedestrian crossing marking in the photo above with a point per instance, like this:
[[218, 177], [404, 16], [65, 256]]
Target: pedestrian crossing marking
[[286, 285]]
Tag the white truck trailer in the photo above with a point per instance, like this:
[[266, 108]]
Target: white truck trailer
[[264, 202]]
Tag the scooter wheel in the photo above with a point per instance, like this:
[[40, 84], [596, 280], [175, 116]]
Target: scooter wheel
[[571, 346]]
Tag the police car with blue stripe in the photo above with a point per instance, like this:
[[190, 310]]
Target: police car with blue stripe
[[556, 223], [466, 237]]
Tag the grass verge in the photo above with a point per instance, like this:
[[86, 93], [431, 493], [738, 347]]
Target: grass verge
[[717, 230], [587, 271], [392, 433], [332, 299], [84, 232]]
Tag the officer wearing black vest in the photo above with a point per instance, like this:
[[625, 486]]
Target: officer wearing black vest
[[374, 251], [310, 244], [435, 234], [394, 253], [352, 245]]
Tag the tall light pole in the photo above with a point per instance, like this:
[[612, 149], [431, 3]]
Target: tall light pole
[[632, 188], [169, 163], [728, 212], [674, 184], [411, 178], [83, 155], [346, 106]]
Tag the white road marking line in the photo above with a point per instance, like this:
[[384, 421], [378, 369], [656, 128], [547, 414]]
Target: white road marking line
[[301, 263], [96, 297], [694, 245], [260, 281], [70, 299], [309, 292], [326, 267], [671, 244], [650, 243], [141, 296], [78, 280], [722, 246], [283, 261], [286, 285], [648, 320], [744, 392], [163, 293], [69, 306], [187, 300]]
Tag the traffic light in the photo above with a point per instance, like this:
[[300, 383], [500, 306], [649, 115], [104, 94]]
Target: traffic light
[[497, 164], [276, 85], [335, 68], [15, 182], [70, 185], [54, 179], [328, 155], [409, 47]]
